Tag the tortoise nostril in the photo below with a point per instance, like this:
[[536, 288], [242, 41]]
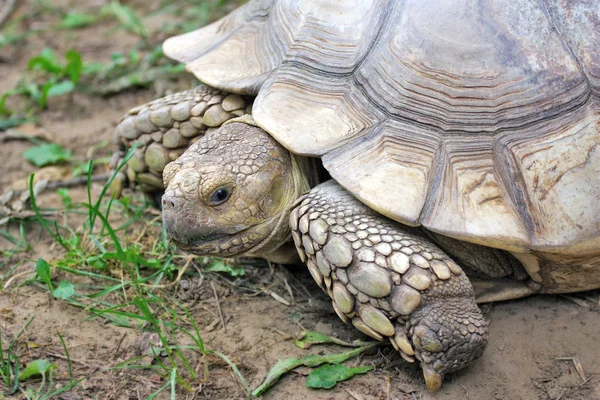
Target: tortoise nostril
[[170, 202]]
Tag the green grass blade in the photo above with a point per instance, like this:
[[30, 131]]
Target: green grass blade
[[235, 369], [55, 235], [62, 340]]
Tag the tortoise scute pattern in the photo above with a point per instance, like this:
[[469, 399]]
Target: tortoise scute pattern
[[487, 111], [388, 280], [468, 130], [166, 127]]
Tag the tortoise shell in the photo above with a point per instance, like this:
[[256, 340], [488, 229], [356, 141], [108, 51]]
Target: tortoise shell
[[478, 120]]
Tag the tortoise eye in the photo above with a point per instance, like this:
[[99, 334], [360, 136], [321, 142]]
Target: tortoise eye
[[220, 195]]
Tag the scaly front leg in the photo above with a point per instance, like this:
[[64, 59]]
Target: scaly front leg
[[389, 281], [166, 127]]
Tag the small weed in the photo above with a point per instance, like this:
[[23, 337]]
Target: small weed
[[45, 368], [76, 20], [195, 13], [50, 77], [126, 17], [12, 375], [10, 363], [57, 78], [46, 154], [326, 376]]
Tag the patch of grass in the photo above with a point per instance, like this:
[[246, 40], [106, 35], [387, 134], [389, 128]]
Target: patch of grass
[[13, 377], [9, 361], [123, 280], [195, 13], [138, 68], [56, 78], [50, 77], [128, 18]]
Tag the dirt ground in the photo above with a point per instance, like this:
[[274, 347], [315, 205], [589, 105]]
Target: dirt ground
[[528, 337]]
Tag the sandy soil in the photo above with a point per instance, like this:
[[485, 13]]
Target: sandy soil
[[526, 337]]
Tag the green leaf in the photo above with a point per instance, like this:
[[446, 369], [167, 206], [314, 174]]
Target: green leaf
[[83, 168], [64, 291], [328, 375], [46, 61], [77, 20], [74, 66], [64, 196], [308, 338], [96, 262], [286, 365], [34, 92], [10, 122], [93, 67], [42, 268], [37, 367], [60, 88], [126, 16], [220, 266], [48, 153]]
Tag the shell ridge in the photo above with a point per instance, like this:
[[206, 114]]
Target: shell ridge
[[560, 32]]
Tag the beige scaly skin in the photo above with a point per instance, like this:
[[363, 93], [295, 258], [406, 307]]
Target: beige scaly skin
[[389, 281], [165, 128], [231, 193]]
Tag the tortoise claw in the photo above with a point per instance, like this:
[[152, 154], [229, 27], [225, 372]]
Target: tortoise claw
[[433, 379]]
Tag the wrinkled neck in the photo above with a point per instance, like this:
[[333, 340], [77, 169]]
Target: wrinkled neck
[[306, 173]]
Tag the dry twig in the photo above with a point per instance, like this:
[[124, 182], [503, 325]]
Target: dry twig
[[577, 364], [354, 395], [218, 306]]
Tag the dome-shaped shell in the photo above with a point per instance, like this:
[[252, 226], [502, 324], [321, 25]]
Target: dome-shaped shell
[[479, 120]]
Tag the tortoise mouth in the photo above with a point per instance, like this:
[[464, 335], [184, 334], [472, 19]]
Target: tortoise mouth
[[220, 245]]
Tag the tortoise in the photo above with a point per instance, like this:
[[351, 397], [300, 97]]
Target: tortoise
[[419, 156]]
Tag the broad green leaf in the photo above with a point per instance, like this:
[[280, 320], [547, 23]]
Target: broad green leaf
[[328, 375], [286, 365], [48, 153], [308, 338], [60, 88], [37, 367], [77, 20], [46, 61], [64, 291], [220, 266], [42, 268], [74, 65]]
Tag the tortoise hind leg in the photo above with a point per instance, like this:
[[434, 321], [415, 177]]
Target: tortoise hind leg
[[488, 290], [496, 275], [389, 281]]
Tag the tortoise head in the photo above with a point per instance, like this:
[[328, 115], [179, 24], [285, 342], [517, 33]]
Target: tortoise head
[[231, 192]]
